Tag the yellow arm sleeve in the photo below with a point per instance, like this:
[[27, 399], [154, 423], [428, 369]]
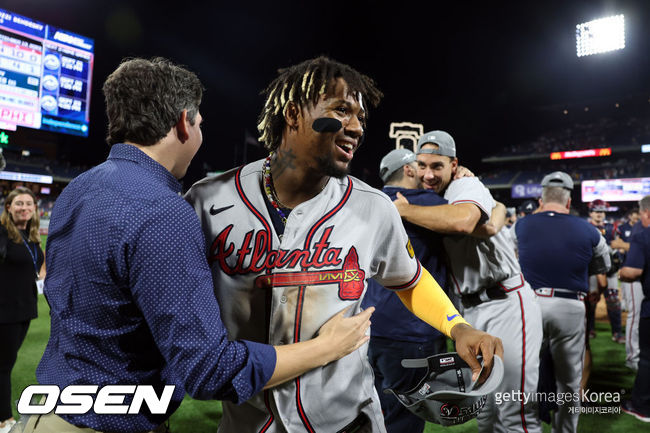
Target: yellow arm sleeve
[[431, 304]]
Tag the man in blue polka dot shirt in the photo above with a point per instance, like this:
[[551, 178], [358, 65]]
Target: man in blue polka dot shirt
[[131, 295]]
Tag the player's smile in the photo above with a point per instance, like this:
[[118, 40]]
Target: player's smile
[[347, 147], [333, 151], [435, 171]]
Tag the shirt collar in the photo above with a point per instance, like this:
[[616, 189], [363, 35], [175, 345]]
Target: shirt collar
[[131, 153]]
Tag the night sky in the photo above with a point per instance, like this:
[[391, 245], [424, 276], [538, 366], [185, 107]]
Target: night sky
[[488, 73]]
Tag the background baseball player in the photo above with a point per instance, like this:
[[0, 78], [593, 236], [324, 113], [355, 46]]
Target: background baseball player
[[606, 283], [527, 208], [292, 238], [556, 266], [396, 333], [637, 267], [632, 292], [486, 277]]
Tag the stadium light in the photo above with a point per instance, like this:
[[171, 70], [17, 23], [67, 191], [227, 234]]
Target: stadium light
[[600, 36]]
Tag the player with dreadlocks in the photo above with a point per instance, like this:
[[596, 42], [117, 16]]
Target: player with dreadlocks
[[292, 239]]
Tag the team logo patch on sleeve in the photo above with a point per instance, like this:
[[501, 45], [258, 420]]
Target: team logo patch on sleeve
[[409, 249]]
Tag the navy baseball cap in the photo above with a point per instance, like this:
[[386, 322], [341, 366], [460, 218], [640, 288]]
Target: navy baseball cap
[[528, 207], [394, 160], [558, 179], [445, 142], [446, 395]]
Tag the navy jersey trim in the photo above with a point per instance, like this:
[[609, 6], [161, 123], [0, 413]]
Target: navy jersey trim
[[411, 282]]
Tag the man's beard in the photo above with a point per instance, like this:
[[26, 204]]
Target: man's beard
[[329, 167]]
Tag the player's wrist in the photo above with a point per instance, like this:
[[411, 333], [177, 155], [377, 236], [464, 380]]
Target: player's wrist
[[459, 329]]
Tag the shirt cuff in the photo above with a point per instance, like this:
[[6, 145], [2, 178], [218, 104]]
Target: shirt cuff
[[260, 367]]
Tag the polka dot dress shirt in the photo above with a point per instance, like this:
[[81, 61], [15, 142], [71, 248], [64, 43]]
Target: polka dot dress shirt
[[131, 295]]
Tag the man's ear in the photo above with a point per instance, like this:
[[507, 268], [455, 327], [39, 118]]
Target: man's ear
[[454, 167], [182, 127], [292, 114], [409, 171], [568, 203]]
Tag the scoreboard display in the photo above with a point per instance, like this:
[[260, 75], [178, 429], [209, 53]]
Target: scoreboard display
[[633, 189], [45, 76]]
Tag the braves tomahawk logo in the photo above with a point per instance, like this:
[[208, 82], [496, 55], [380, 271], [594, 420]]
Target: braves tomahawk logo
[[257, 257]]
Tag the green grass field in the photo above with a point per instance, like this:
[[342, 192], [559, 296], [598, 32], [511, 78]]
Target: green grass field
[[609, 374]]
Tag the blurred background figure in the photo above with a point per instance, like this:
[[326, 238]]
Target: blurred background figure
[[21, 261], [605, 283], [526, 208], [631, 292]]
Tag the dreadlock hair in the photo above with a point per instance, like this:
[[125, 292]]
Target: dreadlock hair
[[303, 84]]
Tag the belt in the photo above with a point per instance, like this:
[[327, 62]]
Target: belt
[[489, 294], [547, 292]]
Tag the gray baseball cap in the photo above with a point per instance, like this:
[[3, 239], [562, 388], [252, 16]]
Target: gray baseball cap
[[445, 142], [446, 394], [559, 179], [394, 160]]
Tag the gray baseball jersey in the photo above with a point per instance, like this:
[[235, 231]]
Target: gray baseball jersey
[[477, 264], [281, 291]]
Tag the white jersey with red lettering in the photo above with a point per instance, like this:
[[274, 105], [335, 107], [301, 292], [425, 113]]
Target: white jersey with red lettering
[[481, 264], [282, 290]]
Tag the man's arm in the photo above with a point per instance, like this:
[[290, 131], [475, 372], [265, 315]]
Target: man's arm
[[495, 223], [635, 260], [620, 244], [601, 260], [629, 274], [429, 302], [447, 218], [338, 337], [177, 301]]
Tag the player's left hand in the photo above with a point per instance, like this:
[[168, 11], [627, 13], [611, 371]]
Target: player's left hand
[[471, 342], [463, 171], [401, 203]]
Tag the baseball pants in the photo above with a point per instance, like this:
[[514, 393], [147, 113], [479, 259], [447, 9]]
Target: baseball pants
[[612, 302], [564, 331], [516, 320], [633, 294], [641, 390], [385, 356]]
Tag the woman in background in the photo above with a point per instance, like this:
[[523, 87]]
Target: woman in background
[[21, 262]]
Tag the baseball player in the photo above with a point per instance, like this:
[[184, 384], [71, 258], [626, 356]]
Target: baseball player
[[485, 275], [632, 292], [597, 209], [292, 238], [527, 208], [636, 267], [556, 266], [396, 333]]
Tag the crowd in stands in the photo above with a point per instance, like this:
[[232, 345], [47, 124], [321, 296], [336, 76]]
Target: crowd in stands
[[605, 132], [44, 166]]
